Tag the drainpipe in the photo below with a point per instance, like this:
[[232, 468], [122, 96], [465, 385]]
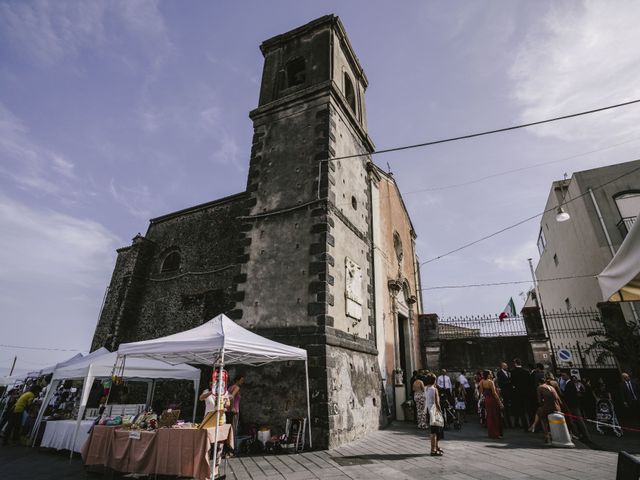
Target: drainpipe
[[609, 243]]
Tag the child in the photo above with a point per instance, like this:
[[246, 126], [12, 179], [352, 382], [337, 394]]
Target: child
[[460, 403]]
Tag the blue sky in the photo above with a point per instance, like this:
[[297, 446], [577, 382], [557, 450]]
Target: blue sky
[[114, 112]]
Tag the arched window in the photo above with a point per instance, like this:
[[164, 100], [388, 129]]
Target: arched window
[[296, 72], [397, 246], [349, 92], [171, 262]]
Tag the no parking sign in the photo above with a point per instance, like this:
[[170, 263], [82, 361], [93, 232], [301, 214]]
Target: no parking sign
[[564, 355]]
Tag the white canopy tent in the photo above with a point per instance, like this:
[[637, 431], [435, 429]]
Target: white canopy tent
[[99, 364], [620, 280], [218, 342], [10, 380], [51, 368]]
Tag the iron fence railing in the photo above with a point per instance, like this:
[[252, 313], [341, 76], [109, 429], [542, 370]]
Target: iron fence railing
[[566, 330], [480, 326]]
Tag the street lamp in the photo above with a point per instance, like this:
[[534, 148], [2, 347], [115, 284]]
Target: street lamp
[[561, 215]]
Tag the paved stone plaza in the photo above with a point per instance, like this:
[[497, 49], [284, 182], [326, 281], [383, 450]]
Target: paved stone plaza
[[401, 452], [398, 452]]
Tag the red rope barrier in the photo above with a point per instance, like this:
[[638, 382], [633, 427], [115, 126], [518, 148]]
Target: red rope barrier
[[630, 429]]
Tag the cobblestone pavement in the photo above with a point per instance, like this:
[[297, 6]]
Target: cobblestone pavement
[[401, 452], [398, 452]]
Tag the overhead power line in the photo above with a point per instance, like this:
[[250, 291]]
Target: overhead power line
[[41, 348], [515, 282], [487, 132], [514, 170], [486, 237]]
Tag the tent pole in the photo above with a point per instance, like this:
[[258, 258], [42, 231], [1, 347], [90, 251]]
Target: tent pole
[[217, 417], [43, 408], [151, 391], [196, 387], [306, 371], [84, 395]]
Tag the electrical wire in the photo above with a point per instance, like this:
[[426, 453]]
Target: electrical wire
[[521, 169], [515, 282], [41, 348], [486, 237], [487, 132]]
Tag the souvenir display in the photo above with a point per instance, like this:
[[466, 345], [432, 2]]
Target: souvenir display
[[169, 418]]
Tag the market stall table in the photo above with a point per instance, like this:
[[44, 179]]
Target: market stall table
[[167, 451], [59, 434]]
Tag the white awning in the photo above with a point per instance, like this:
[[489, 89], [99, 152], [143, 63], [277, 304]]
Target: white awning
[[620, 280], [204, 345], [100, 363], [51, 368]]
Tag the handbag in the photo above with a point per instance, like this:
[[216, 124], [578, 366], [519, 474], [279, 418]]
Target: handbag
[[435, 417]]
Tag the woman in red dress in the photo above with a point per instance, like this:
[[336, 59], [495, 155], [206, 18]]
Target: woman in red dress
[[492, 405]]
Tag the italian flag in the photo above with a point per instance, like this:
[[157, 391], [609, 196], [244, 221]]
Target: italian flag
[[509, 311]]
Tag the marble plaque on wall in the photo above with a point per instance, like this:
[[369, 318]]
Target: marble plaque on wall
[[353, 289]]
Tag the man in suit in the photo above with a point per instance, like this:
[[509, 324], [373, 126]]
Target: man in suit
[[573, 392], [630, 395], [503, 377], [520, 383]]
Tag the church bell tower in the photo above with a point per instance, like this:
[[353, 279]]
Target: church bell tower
[[306, 255]]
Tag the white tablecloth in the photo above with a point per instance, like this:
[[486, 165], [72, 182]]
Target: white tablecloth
[[58, 434]]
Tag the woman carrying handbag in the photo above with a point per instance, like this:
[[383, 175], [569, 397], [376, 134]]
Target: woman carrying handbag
[[432, 407]]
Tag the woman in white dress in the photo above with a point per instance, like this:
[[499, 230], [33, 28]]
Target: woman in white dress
[[431, 399]]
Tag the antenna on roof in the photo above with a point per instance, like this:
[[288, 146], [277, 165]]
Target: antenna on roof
[[389, 169]]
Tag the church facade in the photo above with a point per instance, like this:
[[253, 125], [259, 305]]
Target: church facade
[[317, 252]]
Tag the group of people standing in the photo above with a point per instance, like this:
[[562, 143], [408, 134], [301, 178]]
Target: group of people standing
[[15, 411], [515, 396], [227, 408]]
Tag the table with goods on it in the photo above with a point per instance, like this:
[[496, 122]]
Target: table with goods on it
[[151, 444]]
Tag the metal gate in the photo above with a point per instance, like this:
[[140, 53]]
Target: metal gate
[[570, 334]]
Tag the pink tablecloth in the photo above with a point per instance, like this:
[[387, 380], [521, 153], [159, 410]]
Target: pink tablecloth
[[167, 451]]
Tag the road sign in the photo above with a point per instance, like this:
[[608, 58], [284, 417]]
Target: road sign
[[564, 355]]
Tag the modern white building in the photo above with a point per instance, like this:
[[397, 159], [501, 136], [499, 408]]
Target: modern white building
[[586, 219]]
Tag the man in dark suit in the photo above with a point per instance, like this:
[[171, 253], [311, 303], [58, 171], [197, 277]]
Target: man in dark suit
[[573, 392], [520, 383], [503, 379], [630, 395]]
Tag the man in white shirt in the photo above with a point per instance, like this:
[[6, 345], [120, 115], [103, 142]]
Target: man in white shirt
[[462, 379], [444, 385]]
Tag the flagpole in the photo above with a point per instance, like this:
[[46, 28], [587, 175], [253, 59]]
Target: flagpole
[[544, 318]]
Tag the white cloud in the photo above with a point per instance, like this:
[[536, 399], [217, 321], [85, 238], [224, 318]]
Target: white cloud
[[580, 56], [54, 269], [47, 247], [227, 150], [516, 259], [29, 165], [48, 31], [137, 200]]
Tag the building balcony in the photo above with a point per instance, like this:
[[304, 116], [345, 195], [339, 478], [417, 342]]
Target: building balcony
[[625, 225]]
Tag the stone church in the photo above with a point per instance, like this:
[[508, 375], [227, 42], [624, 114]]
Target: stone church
[[317, 252]]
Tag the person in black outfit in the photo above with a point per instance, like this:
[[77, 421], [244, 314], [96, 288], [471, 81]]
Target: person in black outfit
[[503, 379], [573, 392], [630, 395], [520, 383], [536, 378]]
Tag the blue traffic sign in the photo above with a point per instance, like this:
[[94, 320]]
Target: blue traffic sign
[[564, 355]]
